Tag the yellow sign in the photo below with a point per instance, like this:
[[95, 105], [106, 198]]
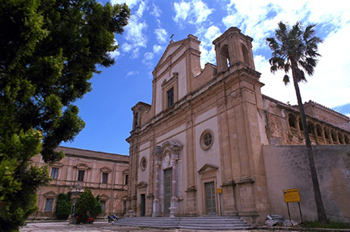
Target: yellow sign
[[219, 190], [291, 195]]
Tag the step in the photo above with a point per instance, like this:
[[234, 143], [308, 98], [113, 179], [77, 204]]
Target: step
[[202, 223]]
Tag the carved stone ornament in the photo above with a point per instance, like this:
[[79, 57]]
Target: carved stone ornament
[[142, 184], [82, 166], [50, 194], [106, 169]]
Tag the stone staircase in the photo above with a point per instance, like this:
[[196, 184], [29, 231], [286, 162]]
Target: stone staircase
[[194, 223]]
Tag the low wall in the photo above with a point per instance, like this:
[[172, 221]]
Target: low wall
[[287, 168]]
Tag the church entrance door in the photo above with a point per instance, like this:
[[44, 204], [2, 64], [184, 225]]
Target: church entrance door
[[210, 198], [167, 190], [143, 205]]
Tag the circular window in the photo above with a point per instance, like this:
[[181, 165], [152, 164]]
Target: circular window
[[207, 140], [143, 164]]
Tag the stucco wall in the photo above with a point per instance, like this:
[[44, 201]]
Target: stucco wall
[[287, 168]]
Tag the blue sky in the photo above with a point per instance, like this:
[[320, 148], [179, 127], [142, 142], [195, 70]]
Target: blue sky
[[106, 110]]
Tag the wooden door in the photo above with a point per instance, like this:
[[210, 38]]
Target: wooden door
[[210, 198], [167, 190]]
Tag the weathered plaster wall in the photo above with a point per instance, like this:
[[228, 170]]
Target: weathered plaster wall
[[287, 168]]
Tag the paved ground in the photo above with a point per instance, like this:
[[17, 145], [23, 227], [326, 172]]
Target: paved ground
[[104, 226], [65, 226], [98, 226]]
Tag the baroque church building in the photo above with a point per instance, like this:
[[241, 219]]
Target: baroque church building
[[211, 144]]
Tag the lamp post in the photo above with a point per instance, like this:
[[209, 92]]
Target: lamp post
[[75, 190]]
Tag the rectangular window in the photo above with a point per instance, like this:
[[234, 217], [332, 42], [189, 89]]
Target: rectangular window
[[48, 205], [126, 179], [103, 206], [54, 173], [104, 178], [81, 175], [170, 94]]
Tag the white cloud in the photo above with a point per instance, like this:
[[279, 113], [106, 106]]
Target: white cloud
[[148, 56], [116, 53], [328, 86], [148, 59], [157, 48], [192, 12], [135, 33], [130, 3], [126, 47], [141, 9], [161, 35], [181, 10], [156, 11], [132, 73], [206, 47], [201, 11]]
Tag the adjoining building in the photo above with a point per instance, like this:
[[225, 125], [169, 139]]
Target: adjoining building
[[105, 174], [211, 144]]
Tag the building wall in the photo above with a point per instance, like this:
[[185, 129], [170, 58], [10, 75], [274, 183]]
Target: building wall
[[287, 168], [224, 101], [94, 164]]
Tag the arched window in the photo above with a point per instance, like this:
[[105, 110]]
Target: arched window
[[225, 55], [245, 55]]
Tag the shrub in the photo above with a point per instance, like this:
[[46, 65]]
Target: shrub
[[63, 206], [87, 206]]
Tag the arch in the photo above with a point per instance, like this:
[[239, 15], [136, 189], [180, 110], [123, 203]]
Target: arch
[[245, 53], [292, 120], [334, 137], [340, 138], [318, 130], [327, 136], [346, 139], [300, 125], [225, 56], [310, 128]]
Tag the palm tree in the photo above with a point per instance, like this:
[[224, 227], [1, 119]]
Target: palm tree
[[296, 50]]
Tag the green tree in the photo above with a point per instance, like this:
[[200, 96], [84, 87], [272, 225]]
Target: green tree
[[49, 50], [296, 49], [87, 206], [63, 206]]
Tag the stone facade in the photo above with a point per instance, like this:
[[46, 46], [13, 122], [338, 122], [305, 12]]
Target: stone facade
[[104, 174], [197, 149]]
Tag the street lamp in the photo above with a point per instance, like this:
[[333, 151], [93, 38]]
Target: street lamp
[[75, 190]]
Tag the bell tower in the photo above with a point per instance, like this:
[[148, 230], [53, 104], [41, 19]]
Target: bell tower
[[233, 48]]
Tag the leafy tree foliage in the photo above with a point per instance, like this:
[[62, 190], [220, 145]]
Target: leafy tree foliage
[[87, 206], [296, 49], [49, 49], [63, 206]]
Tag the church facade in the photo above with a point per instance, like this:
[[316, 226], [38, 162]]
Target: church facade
[[198, 148]]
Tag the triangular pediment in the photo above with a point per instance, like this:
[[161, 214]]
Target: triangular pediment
[[208, 168], [172, 47]]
